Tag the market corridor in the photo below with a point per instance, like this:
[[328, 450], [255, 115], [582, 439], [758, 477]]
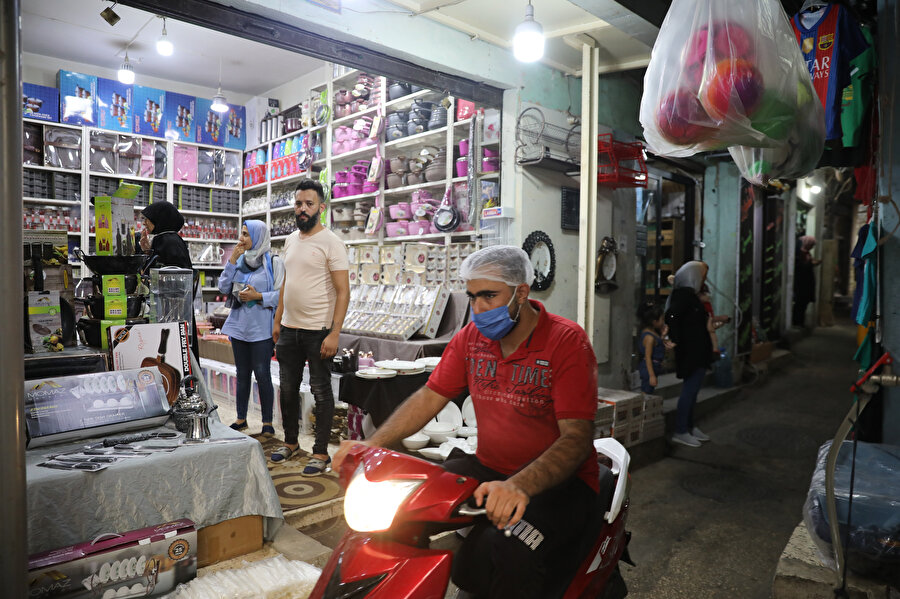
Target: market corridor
[[712, 522]]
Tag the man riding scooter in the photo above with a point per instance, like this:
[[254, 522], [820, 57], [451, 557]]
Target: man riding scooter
[[533, 381]]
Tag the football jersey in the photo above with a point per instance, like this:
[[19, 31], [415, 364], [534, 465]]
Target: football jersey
[[828, 45], [858, 95]]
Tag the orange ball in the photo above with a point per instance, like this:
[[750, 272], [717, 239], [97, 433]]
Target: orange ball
[[735, 79]]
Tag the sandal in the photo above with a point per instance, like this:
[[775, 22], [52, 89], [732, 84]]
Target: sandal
[[282, 454], [316, 466]]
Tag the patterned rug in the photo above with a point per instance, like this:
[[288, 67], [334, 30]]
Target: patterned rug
[[295, 490]]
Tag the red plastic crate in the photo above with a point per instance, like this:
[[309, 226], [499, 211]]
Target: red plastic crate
[[620, 164]]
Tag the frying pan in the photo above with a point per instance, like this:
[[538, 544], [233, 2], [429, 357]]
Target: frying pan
[[446, 217], [170, 376], [112, 265]]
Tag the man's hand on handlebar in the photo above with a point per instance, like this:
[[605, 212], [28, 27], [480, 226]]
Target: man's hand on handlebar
[[504, 501], [338, 458]]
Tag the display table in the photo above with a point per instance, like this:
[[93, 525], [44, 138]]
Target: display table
[[380, 397], [387, 349], [207, 483]]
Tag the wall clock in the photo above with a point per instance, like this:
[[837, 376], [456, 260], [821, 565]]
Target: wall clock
[[540, 250], [605, 275]]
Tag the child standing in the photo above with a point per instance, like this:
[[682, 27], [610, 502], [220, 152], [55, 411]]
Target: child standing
[[652, 346]]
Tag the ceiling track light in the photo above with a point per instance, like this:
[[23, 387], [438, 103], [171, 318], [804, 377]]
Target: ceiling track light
[[126, 71], [109, 15], [219, 102], [164, 46], [528, 41]]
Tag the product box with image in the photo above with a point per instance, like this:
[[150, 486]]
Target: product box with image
[[68, 408], [235, 127], [114, 221], [164, 345], [44, 321], [40, 102], [115, 105], [149, 107], [148, 562], [77, 98], [180, 113], [210, 125]]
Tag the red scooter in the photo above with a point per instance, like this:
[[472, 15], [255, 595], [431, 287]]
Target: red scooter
[[395, 502]]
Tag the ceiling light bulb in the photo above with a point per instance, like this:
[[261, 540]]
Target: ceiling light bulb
[[126, 72], [163, 46], [219, 103], [528, 41], [815, 189]]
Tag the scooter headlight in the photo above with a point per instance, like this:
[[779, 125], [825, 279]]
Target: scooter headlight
[[371, 506]]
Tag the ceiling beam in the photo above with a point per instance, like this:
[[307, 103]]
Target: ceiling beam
[[227, 19], [588, 26], [639, 19]]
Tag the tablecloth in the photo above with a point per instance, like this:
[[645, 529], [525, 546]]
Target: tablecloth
[[380, 397], [206, 483]]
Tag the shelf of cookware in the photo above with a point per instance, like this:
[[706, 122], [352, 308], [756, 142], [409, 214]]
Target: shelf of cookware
[[353, 116], [316, 128], [125, 177], [257, 186], [52, 202], [290, 178], [288, 208], [48, 123], [488, 175], [347, 80], [409, 188], [247, 215], [202, 213], [56, 169], [405, 102], [462, 122], [356, 198], [352, 155], [278, 237], [204, 185], [319, 162], [415, 140], [201, 240], [265, 144], [428, 236]]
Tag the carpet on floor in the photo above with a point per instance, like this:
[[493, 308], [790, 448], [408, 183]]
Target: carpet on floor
[[295, 490]]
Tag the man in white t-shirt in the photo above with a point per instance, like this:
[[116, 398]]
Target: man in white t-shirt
[[311, 310]]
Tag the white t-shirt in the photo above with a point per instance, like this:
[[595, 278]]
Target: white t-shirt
[[309, 293]]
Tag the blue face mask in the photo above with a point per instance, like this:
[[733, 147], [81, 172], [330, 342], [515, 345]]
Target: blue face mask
[[495, 324]]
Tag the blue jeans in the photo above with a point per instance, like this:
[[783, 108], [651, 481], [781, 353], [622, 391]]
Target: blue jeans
[[684, 417], [255, 357], [294, 348]]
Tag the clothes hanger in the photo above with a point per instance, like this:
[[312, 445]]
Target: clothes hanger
[[812, 5]]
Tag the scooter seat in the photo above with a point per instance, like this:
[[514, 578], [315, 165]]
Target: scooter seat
[[567, 563]]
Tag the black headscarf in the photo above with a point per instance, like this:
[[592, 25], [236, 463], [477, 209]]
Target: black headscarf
[[170, 249]]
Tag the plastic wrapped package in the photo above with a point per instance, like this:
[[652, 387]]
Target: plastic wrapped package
[[273, 578], [726, 73], [874, 530], [232, 169], [103, 152], [32, 144], [148, 148], [129, 155], [185, 163], [206, 167], [160, 160], [62, 148]]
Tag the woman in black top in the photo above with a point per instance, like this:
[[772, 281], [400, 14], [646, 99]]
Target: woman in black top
[[163, 220], [690, 328]]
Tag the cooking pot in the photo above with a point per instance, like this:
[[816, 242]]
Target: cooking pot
[[415, 178], [342, 96], [292, 124], [94, 305], [399, 164], [395, 180], [397, 90], [395, 132], [342, 110], [435, 173], [397, 119], [113, 265], [131, 283], [89, 329], [415, 126]]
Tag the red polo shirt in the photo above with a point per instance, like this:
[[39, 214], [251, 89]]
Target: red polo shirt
[[518, 400]]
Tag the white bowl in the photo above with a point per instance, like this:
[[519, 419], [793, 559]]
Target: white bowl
[[416, 441], [467, 431], [439, 432]]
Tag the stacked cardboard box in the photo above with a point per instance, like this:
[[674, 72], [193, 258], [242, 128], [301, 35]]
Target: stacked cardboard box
[[653, 424], [603, 420], [628, 410]]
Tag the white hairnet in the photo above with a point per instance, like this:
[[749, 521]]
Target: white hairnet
[[504, 263]]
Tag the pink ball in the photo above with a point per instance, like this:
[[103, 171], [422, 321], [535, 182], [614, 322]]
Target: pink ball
[[696, 48], [730, 40], [682, 120]]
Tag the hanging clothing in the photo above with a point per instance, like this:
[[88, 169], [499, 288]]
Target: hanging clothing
[[867, 300], [859, 268], [829, 39]]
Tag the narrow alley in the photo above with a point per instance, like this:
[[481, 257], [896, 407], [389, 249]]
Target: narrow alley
[[712, 522]]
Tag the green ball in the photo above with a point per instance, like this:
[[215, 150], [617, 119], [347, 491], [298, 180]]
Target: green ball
[[759, 168], [774, 117], [803, 95]]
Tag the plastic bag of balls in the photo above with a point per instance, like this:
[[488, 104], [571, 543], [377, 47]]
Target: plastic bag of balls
[[730, 73]]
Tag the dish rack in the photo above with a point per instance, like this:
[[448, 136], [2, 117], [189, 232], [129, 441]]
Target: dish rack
[[620, 164], [539, 143]]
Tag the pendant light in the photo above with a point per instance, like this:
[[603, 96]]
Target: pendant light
[[164, 46], [126, 71], [219, 103], [528, 41]]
